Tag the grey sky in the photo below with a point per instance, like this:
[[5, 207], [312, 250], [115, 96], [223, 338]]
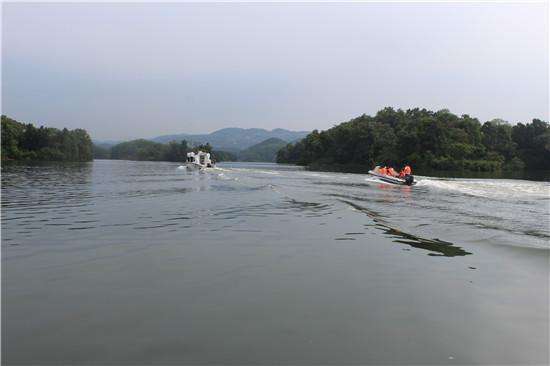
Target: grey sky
[[140, 70]]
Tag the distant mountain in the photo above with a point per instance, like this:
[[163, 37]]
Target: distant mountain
[[264, 151], [235, 139]]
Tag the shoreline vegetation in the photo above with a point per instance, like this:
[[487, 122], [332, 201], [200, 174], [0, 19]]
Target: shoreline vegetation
[[426, 140], [25, 142], [146, 150], [430, 141], [265, 151]]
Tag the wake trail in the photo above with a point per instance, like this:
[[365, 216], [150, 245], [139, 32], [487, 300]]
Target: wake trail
[[489, 188]]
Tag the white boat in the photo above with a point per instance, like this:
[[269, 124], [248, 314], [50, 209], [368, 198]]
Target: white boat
[[198, 161], [407, 180]]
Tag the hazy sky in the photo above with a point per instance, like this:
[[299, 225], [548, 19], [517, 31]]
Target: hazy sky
[[141, 70]]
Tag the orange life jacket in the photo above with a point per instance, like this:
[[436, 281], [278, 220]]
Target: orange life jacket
[[391, 172], [383, 171], [407, 170]]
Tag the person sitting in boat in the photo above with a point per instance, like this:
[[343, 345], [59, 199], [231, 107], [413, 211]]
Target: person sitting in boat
[[390, 171], [405, 171], [383, 170]]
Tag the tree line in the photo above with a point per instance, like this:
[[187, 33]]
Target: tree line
[[154, 151], [24, 141], [427, 140]]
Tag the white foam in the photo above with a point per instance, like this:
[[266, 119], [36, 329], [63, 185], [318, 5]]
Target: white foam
[[269, 172], [376, 180], [492, 188], [246, 170], [318, 175]]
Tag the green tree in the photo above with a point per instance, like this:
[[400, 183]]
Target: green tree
[[27, 142], [497, 136], [533, 143], [440, 140]]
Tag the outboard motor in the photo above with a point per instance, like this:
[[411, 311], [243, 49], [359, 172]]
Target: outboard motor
[[409, 179]]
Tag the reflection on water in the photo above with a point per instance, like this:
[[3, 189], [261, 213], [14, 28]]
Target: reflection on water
[[433, 245], [119, 262]]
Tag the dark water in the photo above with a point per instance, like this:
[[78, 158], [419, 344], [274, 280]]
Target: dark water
[[117, 262]]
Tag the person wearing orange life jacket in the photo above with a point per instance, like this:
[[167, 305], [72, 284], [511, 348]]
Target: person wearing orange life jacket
[[405, 171], [383, 170], [391, 171]]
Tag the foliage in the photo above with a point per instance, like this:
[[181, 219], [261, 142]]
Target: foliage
[[203, 147], [26, 142], [533, 143], [176, 151], [425, 139], [101, 152], [151, 151], [218, 155], [264, 151], [155, 151], [139, 150]]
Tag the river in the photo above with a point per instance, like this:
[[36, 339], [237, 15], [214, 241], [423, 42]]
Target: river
[[119, 262]]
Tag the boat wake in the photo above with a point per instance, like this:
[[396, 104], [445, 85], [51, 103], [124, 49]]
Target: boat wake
[[435, 246], [490, 188]]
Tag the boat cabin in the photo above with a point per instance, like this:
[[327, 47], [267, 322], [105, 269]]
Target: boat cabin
[[200, 158]]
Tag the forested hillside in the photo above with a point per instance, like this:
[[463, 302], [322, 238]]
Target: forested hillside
[[227, 144], [264, 151], [154, 151], [426, 139], [22, 141]]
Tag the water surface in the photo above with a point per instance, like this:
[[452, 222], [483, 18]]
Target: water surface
[[118, 262]]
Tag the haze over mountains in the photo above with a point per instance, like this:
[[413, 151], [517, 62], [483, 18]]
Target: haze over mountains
[[229, 139], [234, 139], [250, 144]]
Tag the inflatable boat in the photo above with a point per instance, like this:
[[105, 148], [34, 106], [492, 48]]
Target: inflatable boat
[[406, 181]]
